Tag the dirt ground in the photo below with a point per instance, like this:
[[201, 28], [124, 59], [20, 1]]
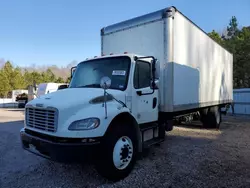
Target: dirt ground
[[190, 157]]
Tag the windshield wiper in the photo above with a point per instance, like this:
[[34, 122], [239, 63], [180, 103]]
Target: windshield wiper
[[91, 85], [119, 101]]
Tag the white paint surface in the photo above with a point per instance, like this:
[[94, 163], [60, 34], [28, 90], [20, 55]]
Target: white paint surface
[[202, 68], [194, 70]]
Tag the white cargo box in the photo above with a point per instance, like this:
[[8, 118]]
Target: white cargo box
[[195, 71]]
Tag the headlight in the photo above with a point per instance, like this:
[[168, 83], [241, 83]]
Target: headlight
[[85, 124]]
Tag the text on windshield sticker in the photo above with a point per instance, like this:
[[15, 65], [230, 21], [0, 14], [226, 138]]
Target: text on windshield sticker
[[119, 73]]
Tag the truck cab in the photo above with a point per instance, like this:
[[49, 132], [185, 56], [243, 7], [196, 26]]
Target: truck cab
[[111, 104], [132, 81]]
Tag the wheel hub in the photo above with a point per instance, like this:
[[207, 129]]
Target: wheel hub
[[123, 152]]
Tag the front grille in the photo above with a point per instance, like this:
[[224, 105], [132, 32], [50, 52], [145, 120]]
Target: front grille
[[41, 118]]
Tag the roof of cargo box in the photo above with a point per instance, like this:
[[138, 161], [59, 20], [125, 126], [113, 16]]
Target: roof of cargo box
[[154, 16], [147, 18]]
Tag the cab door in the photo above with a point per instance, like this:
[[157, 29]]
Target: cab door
[[145, 99]]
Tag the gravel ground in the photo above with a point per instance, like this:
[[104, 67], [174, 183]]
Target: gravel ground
[[190, 157]]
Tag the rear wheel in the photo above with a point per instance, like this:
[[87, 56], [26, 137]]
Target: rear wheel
[[117, 154], [211, 117]]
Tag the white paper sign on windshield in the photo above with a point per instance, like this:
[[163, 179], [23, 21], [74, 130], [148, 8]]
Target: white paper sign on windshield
[[119, 73]]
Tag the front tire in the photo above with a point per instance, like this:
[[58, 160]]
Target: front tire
[[117, 154]]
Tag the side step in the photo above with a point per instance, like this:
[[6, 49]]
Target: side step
[[152, 142], [152, 134], [148, 126]]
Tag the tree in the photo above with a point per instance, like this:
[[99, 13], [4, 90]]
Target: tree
[[4, 86], [17, 81], [232, 29], [68, 79], [59, 80], [216, 36], [12, 78], [48, 76], [31, 77], [237, 41], [242, 58], [7, 70]]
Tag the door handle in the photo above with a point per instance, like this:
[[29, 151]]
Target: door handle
[[154, 102], [139, 93]]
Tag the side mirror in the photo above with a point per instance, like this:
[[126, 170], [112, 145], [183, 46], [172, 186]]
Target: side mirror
[[105, 82], [155, 84], [73, 69]]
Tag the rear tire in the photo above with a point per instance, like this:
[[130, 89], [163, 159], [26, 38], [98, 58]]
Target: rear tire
[[118, 152], [211, 117]]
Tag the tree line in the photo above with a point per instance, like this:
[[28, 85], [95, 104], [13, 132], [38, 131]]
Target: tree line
[[12, 78], [236, 40]]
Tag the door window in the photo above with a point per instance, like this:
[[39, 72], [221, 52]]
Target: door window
[[142, 75]]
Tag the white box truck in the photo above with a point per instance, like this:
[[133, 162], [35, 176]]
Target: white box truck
[[45, 88], [35, 90], [153, 69]]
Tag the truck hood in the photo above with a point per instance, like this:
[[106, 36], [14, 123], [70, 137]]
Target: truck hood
[[73, 98]]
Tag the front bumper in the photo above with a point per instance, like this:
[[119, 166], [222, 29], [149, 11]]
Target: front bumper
[[59, 149]]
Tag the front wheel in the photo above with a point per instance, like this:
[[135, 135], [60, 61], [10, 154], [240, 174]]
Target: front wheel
[[117, 154]]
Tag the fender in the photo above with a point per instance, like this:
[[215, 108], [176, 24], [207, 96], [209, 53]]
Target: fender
[[98, 111], [128, 117]]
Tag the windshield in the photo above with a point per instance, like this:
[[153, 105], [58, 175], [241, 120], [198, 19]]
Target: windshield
[[89, 73]]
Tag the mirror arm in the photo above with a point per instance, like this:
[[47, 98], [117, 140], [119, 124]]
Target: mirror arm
[[72, 70]]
